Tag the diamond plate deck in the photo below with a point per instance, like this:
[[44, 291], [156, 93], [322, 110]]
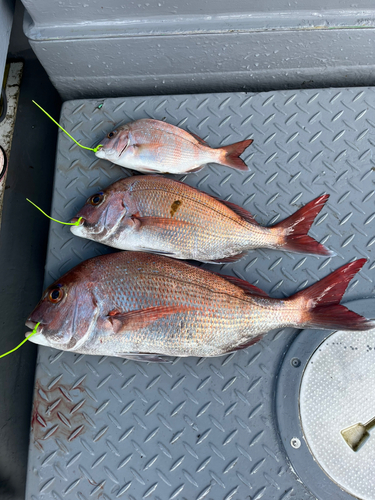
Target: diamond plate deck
[[202, 428]]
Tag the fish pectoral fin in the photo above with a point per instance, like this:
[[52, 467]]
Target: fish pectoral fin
[[144, 358], [136, 320], [160, 222]]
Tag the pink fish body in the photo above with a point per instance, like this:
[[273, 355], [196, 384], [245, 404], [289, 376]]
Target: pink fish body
[[143, 306], [155, 146], [160, 215]]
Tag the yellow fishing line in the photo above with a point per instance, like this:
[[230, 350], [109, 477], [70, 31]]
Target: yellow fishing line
[[27, 338], [67, 133], [59, 221]]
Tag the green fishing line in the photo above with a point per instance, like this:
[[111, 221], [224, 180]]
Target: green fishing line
[[67, 133], [27, 338], [59, 221]]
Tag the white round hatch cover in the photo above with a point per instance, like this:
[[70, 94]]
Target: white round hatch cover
[[337, 410]]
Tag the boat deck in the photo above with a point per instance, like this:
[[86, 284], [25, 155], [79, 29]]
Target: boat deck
[[201, 428]]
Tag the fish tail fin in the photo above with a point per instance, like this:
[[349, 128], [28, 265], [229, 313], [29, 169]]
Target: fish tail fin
[[294, 236], [230, 155], [319, 305]]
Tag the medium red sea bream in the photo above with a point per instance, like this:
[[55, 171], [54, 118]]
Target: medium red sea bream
[[154, 214]]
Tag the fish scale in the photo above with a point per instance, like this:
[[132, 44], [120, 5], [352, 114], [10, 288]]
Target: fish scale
[[196, 238]]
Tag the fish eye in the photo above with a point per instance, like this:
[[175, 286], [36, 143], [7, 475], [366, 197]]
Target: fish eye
[[111, 134], [96, 199], [55, 295]]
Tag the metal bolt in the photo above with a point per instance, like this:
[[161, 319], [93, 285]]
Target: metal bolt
[[295, 443], [295, 362]]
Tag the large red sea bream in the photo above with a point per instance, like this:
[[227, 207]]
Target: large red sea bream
[[145, 307]]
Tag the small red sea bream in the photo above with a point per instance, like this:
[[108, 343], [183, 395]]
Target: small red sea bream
[[154, 214], [155, 146], [144, 307]]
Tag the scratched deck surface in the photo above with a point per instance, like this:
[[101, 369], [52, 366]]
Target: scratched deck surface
[[201, 428]]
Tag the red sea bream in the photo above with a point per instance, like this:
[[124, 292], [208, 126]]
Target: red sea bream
[[155, 146], [160, 215], [144, 307]]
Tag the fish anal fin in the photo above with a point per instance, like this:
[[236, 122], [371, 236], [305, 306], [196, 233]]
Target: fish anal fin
[[143, 169], [246, 344], [144, 357], [141, 318], [225, 260], [195, 169]]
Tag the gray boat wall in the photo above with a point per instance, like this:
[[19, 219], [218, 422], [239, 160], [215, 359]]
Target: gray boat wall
[[117, 48]]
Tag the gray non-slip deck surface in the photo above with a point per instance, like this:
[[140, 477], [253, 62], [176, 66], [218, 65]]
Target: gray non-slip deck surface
[[202, 428]]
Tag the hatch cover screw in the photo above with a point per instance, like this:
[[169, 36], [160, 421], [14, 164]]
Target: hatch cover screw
[[295, 442], [295, 362]]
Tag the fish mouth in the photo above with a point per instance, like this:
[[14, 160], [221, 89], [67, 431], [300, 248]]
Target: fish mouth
[[31, 324], [104, 152], [99, 153], [37, 338], [76, 219]]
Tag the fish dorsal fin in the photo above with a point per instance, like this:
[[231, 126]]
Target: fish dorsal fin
[[199, 139], [248, 288], [242, 212], [141, 318]]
